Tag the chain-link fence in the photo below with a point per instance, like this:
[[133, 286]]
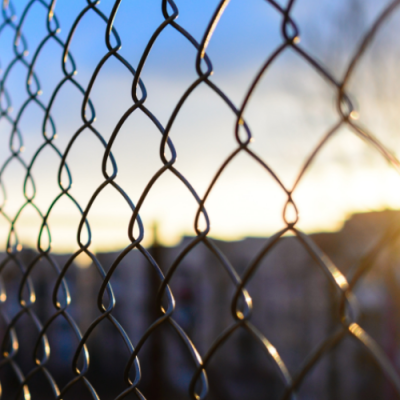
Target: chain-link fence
[[294, 315]]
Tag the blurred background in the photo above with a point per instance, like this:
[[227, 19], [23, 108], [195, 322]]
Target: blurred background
[[347, 199]]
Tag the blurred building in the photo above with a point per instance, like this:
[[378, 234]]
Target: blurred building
[[294, 306]]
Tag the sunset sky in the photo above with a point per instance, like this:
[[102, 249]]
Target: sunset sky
[[289, 113]]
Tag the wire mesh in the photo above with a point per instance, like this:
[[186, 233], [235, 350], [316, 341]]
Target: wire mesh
[[20, 292]]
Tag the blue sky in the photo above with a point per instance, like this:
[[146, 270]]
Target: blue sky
[[290, 111]]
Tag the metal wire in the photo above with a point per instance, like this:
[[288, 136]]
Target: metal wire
[[241, 305]]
